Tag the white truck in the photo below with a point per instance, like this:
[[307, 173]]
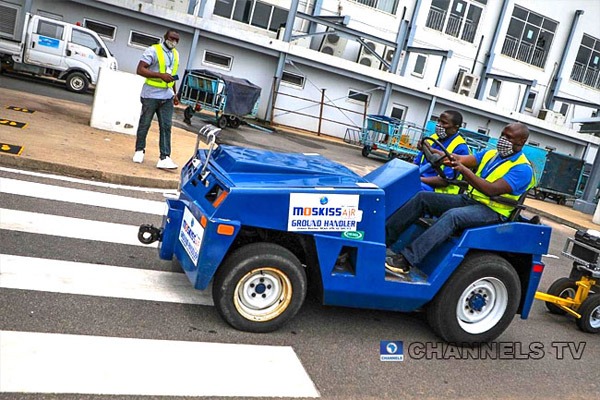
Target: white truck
[[52, 48]]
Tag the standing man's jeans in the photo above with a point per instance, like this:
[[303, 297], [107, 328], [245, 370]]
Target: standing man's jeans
[[455, 212], [164, 113]]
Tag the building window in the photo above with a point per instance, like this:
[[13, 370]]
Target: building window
[[529, 37], [388, 6], [292, 79], [530, 102], [398, 111], [494, 89], [419, 69], [142, 39], [564, 109], [219, 60], [102, 29], [586, 68], [252, 12], [358, 97], [458, 18]]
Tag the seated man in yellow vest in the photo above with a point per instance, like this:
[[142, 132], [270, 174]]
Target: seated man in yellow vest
[[446, 132], [159, 66], [504, 171]]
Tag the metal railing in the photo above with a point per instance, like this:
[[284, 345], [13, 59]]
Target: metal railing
[[524, 51], [437, 17], [586, 75]]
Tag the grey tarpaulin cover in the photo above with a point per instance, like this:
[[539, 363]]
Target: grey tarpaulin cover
[[241, 93]]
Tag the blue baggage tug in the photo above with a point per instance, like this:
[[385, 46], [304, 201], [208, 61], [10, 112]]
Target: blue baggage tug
[[262, 227]]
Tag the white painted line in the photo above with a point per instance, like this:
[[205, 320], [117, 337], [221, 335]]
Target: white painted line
[[46, 224], [86, 182], [27, 273], [57, 363], [79, 196]]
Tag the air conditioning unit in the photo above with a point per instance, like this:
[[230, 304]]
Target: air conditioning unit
[[366, 56], [333, 44], [547, 115], [466, 84], [303, 41]]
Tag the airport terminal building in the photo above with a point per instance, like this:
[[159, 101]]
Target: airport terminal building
[[324, 64]]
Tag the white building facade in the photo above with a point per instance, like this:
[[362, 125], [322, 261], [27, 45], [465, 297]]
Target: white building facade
[[496, 61]]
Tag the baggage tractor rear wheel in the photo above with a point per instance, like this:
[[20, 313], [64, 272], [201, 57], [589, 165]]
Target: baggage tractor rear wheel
[[222, 121]]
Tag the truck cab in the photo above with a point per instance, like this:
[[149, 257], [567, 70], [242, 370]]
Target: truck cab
[[57, 49], [261, 227]]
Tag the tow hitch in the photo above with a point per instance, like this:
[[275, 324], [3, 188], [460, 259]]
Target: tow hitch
[[149, 234]]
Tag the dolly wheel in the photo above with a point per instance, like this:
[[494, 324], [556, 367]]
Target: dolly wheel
[[222, 122], [562, 287], [259, 287], [366, 151], [590, 314]]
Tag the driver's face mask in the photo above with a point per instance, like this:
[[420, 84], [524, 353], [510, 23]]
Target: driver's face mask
[[505, 147], [171, 44], [441, 132]]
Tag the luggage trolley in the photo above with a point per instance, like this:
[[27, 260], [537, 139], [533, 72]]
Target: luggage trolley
[[396, 137], [579, 294], [228, 97]]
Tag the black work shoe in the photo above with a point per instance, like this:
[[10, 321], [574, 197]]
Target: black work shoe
[[397, 265]]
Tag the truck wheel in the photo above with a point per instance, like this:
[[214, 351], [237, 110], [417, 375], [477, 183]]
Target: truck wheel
[[366, 151], [478, 301], [590, 314], [77, 82], [562, 287], [259, 287]]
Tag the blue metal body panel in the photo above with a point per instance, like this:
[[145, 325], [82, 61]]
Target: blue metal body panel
[[273, 191]]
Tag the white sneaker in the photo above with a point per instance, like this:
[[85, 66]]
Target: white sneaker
[[167, 163], [138, 157]]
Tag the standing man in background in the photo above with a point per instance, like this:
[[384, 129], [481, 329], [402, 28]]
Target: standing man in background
[[159, 65]]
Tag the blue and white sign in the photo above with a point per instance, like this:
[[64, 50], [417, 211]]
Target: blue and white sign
[[190, 235], [323, 212], [48, 42]]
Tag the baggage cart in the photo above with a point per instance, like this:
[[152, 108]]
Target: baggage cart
[[229, 98], [396, 138]]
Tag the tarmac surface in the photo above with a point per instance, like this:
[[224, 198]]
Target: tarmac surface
[[57, 138]]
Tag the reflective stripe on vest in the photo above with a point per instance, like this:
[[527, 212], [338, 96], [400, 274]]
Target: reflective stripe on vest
[[458, 140], [162, 67], [496, 174]]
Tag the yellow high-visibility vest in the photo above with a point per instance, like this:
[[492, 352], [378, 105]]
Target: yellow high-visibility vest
[[162, 67], [458, 140], [496, 174]]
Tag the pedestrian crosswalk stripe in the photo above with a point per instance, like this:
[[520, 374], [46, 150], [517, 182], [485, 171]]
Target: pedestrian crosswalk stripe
[[58, 363], [69, 277], [46, 224], [80, 196], [170, 192]]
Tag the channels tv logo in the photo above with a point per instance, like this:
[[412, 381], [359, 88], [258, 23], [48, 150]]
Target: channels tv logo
[[391, 350]]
